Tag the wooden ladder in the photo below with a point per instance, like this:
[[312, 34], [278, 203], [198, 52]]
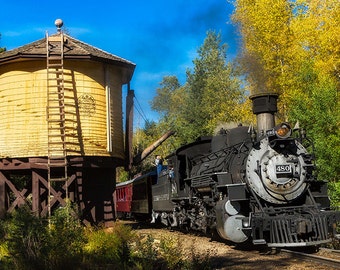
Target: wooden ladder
[[57, 151]]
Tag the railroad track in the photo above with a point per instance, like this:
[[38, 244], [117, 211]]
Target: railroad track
[[328, 257]]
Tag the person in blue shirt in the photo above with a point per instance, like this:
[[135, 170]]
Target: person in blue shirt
[[159, 164]]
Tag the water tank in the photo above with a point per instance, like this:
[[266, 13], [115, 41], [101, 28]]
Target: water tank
[[93, 105]]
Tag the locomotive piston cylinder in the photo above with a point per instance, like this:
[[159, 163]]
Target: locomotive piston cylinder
[[230, 222]]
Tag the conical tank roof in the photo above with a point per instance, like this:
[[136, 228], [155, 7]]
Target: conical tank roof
[[74, 49]]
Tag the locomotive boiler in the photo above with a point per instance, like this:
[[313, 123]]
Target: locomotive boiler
[[247, 185]]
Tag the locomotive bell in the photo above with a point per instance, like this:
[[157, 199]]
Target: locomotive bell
[[264, 106]]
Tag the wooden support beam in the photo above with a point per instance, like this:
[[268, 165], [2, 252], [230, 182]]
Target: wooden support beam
[[14, 164], [36, 208], [58, 196], [20, 198], [2, 196], [91, 186]]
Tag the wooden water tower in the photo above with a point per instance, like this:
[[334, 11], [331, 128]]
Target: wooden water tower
[[61, 132]]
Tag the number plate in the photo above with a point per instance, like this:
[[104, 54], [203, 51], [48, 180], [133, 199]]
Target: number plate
[[283, 169]]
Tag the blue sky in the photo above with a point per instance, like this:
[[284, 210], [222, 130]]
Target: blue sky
[[160, 36]]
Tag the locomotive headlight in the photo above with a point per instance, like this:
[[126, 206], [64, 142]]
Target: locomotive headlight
[[283, 131]]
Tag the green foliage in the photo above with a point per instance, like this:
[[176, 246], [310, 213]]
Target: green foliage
[[110, 247], [214, 91], [122, 175], [27, 238], [162, 102], [145, 253], [29, 242], [278, 36], [172, 252], [66, 239], [266, 46], [212, 95], [175, 258], [334, 191], [34, 244], [317, 109]]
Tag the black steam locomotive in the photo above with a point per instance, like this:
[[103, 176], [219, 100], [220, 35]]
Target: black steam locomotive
[[246, 185]]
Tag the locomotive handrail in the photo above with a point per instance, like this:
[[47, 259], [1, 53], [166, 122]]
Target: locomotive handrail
[[211, 156], [221, 156]]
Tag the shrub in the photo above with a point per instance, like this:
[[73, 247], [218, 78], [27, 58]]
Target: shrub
[[29, 242], [171, 251], [34, 243], [112, 248], [145, 253], [198, 260], [26, 238], [66, 235], [5, 257]]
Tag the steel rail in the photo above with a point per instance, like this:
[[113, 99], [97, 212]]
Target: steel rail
[[315, 258]]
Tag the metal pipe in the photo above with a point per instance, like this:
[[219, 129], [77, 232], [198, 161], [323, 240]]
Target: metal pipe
[[129, 128], [152, 147]]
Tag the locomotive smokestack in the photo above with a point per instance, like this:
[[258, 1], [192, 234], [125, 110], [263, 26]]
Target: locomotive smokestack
[[264, 106]]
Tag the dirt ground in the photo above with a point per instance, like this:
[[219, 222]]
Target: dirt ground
[[228, 257]]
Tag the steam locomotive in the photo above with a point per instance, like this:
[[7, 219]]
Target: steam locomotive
[[246, 185]]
